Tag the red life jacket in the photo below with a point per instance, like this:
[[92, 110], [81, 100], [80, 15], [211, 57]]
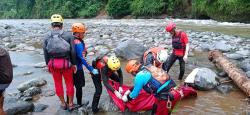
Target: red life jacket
[[100, 63], [177, 43], [153, 50]]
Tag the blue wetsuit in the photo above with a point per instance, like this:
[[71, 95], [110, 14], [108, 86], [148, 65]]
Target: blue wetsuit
[[141, 79], [80, 59]]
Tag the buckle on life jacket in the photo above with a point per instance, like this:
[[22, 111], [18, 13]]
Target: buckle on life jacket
[[169, 103]]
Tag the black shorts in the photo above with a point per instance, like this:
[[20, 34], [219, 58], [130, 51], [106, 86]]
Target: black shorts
[[79, 79]]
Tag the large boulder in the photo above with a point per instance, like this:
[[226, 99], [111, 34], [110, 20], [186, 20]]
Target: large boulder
[[14, 106], [32, 83], [130, 49], [222, 46], [202, 79], [235, 56]]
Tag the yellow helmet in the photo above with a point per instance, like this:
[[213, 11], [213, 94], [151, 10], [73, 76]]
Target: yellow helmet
[[114, 63], [56, 18]]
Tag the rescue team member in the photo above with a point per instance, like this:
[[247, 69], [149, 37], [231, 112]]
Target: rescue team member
[[180, 48], [59, 54], [156, 56], [109, 68], [6, 75], [79, 30], [153, 80]]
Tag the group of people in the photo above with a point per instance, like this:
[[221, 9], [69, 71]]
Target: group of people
[[65, 54]]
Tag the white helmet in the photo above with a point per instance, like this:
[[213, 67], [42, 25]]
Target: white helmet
[[162, 56]]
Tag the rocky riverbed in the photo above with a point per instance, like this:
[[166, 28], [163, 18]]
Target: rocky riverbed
[[127, 39]]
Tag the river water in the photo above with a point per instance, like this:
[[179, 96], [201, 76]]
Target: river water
[[207, 102]]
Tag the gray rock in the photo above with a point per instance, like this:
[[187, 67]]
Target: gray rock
[[49, 93], [8, 27], [205, 79], [35, 82], [40, 107], [248, 74], [222, 74], [130, 49], [14, 106], [26, 98], [28, 73], [243, 52], [222, 46], [206, 47], [224, 88], [40, 65], [11, 45], [245, 65], [235, 56], [32, 91]]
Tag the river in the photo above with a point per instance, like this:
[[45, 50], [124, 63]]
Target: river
[[207, 102]]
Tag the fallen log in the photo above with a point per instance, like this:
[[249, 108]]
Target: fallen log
[[236, 74]]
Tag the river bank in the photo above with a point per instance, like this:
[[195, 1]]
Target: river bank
[[24, 39]]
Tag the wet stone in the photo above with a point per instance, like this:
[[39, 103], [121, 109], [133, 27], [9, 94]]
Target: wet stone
[[40, 107], [224, 88]]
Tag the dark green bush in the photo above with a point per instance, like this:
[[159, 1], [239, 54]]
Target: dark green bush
[[91, 10], [118, 8], [147, 7], [223, 10]]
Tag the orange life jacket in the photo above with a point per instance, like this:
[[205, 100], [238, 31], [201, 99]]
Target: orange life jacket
[[153, 50]]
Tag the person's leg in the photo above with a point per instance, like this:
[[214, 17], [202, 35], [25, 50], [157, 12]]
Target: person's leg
[[167, 65], [57, 76], [79, 82], [68, 78], [98, 91], [182, 68], [1, 102]]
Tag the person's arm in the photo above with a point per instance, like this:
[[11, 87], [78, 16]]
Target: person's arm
[[45, 52], [149, 59], [140, 80], [72, 51], [79, 49], [105, 78], [185, 40], [120, 76]]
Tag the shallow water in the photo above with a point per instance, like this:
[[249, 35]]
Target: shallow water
[[207, 102]]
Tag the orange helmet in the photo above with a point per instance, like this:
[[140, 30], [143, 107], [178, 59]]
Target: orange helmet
[[132, 66], [78, 27]]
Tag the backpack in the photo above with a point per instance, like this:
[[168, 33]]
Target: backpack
[[56, 45]]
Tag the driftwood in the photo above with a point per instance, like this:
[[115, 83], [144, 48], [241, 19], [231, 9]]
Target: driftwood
[[236, 74]]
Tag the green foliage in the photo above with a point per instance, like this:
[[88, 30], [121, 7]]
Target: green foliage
[[223, 10], [147, 7], [91, 10], [118, 8]]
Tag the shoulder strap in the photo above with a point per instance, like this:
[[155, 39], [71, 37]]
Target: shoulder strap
[[163, 86]]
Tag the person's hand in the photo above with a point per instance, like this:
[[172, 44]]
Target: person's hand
[[74, 68], [95, 72], [120, 90], [185, 58], [125, 98], [118, 95], [127, 92]]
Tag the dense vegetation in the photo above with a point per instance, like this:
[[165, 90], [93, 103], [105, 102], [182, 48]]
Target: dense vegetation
[[222, 10]]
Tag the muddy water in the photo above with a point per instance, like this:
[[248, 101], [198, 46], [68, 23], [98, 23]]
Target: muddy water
[[207, 102]]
